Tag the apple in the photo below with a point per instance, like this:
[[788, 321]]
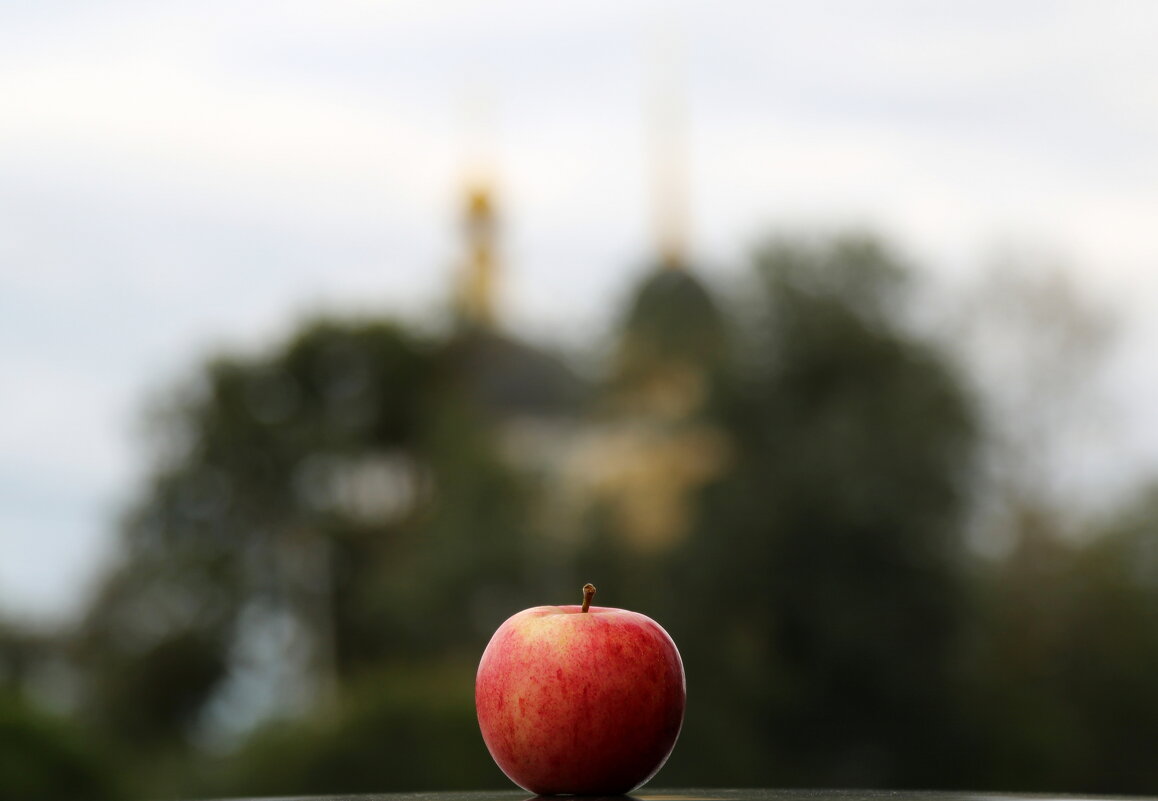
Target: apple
[[582, 700]]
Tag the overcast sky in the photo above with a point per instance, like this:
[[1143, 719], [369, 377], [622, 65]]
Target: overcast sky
[[179, 177]]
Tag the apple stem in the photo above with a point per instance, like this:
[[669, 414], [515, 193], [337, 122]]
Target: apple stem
[[588, 594]]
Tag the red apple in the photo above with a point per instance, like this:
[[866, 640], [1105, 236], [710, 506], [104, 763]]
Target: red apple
[[581, 700]]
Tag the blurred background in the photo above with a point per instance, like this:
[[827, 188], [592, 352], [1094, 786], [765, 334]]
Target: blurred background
[[332, 334]]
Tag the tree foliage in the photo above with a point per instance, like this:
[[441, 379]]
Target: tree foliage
[[828, 565], [340, 490], [331, 529]]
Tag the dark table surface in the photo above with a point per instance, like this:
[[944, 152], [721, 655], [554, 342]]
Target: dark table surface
[[708, 794]]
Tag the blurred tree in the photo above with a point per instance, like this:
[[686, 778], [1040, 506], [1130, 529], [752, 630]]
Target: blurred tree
[[21, 652], [1063, 628], [332, 529], [783, 486], [337, 504], [45, 758], [1063, 692], [406, 726], [1035, 347], [826, 582]]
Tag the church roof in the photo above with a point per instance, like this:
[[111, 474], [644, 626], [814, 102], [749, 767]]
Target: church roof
[[674, 316], [508, 378]]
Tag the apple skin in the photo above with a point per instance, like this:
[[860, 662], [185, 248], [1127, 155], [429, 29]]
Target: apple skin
[[582, 703]]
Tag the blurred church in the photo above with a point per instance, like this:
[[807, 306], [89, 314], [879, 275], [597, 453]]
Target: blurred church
[[634, 444]]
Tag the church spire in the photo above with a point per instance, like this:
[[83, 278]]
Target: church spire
[[476, 292], [668, 148], [479, 273]]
